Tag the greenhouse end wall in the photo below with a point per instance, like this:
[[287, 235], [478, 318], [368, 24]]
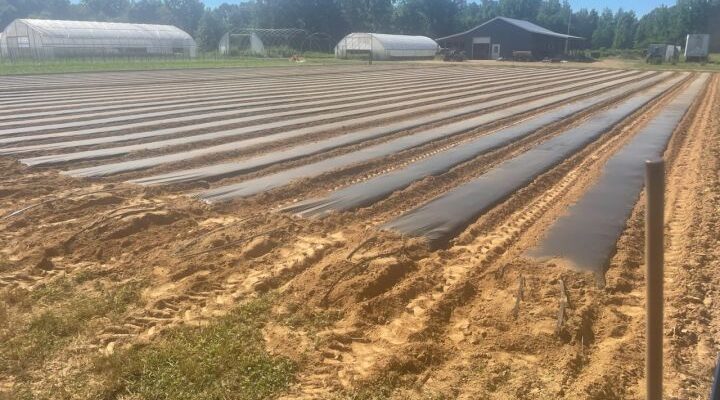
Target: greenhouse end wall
[[46, 39]]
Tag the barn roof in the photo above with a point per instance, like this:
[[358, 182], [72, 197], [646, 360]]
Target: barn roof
[[522, 24]]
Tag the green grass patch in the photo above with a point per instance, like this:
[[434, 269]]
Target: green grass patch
[[313, 321], [378, 390], [224, 360], [129, 64], [54, 291], [26, 345]]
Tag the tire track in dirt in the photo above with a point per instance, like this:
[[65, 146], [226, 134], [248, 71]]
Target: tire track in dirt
[[194, 295], [475, 321], [603, 357], [531, 365], [469, 261], [692, 257]]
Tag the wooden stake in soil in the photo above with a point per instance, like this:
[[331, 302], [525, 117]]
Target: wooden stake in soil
[[654, 190], [519, 296], [564, 304]]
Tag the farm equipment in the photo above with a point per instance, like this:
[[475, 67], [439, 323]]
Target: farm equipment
[[657, 53], [523, 56], [697, 48], [453, 55]]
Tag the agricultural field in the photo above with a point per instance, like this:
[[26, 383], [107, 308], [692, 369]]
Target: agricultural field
[[349, 231]]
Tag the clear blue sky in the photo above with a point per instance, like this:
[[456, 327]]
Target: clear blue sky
[[641, 7]]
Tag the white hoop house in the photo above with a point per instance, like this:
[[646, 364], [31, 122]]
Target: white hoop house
[[248, 42], [34, 38], [386, 47]]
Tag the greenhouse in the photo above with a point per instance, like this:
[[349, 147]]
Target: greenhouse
[[273, 42], [386, 47], [250, 43], [34, 38]]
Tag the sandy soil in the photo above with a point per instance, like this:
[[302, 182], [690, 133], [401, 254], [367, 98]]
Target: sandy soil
[[476, 320], [613, 63]]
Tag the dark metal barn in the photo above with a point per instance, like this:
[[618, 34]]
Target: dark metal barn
[[714, 31], [500, 37]]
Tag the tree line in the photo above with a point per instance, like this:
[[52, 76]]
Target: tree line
[[606, 28]]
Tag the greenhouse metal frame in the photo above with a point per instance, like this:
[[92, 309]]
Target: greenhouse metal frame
[[273, 42]]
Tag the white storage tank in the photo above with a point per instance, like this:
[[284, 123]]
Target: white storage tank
[[387, 47]]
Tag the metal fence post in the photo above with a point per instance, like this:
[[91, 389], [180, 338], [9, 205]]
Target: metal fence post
[[654, 248], [370, 60]]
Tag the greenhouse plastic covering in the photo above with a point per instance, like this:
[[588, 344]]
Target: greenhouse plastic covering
[[51, 38], [384, 46], [104, 31]]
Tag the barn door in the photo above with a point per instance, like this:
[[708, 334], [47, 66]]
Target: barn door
[[480, 48], [495, 51]]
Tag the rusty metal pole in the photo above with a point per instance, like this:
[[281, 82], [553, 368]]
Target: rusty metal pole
[[654, 248]]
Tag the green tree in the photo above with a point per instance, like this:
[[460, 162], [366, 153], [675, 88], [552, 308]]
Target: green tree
[[584, 23], [692, 17], [311, 15], [8, 12], [434, 18], [604, 34], [471, 15], [368, 15], [657, 27], [209, 31], [625, 26], [185, 14], [410, 18], [149, 12], [520, 9], [474, 13], [554, 15], [323, 16], [235, 16], [13, 9], [106, 9]]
